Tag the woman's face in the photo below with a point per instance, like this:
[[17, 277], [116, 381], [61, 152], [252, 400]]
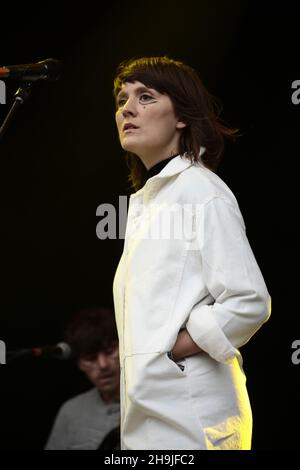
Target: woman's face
[[157, 130]]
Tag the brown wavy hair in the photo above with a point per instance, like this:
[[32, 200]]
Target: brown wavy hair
[[193, 105]]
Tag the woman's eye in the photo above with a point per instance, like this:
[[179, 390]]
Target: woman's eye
[[144, 96], [120, 102]]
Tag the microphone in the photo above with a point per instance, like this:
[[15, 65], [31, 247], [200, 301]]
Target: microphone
[[58, 351], [48, 69]]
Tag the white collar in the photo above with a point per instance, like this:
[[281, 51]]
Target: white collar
[[173, 167]]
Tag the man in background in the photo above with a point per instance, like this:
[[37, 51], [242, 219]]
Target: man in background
[[91, 420]]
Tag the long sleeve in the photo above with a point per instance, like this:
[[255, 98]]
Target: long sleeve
[[231, 274]]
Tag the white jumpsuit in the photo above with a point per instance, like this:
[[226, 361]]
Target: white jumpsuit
[[204, 278]]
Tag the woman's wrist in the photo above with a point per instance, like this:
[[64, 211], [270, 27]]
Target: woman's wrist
[[184, 346]]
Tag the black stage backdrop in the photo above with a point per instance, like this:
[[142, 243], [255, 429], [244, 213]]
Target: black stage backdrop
[[60, 159]]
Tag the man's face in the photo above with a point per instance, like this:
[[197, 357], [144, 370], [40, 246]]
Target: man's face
[[103, 370]]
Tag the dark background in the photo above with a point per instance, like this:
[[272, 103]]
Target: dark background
[[60, 159]]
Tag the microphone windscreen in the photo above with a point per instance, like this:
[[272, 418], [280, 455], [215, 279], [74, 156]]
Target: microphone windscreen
[[66, 351]]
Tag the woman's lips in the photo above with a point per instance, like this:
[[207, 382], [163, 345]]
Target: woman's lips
[[130, 129]]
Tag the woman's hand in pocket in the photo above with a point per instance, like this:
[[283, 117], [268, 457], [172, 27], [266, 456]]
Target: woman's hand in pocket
[[184, 346]]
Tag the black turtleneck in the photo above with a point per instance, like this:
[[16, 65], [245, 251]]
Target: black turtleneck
[[154, 170]]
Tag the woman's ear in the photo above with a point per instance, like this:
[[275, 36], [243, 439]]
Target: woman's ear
[[180, 125]]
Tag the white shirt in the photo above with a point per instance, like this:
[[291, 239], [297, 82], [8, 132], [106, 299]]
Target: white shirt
[[207, 281]]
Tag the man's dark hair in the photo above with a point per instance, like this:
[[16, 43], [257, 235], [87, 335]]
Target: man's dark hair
[[91, 330]]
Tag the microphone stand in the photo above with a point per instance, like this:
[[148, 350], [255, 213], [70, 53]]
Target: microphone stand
[[21, 95], [11, 355]]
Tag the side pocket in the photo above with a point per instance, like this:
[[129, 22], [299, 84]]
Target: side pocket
[[180, 364]]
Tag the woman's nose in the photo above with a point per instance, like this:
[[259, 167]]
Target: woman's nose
[[129, 109]]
